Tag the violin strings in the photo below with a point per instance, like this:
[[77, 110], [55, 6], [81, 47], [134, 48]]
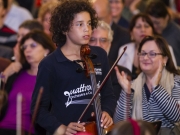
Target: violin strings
[[97, 105]]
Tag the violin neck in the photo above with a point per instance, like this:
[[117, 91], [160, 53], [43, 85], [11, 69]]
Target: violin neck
[[97, 107]]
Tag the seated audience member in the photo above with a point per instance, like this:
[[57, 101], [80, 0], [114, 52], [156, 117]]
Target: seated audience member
[[155, 92], [34, 47], [172, 6], [16, 15], [163, 24], [4, 63], [140, 26], [133, 7], [120, 37], [7, 35], [116, 10], [132, 127], [44, 15], [24, 29], [102, 36]]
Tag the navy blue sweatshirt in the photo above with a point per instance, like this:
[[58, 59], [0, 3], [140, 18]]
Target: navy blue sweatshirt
[[68, 91]]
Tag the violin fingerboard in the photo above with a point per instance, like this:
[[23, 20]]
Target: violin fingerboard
[[97, 107]]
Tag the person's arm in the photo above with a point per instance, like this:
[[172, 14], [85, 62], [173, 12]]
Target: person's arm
[[124, 104], [168, 105], [45, 78], [124, 107], [72, 128], [133, 7], [14, 67]]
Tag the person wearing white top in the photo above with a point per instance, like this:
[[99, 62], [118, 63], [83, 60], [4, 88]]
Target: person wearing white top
[[16, 15], [140, 26]]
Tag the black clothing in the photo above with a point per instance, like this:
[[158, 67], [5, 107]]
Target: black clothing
[[68, 91], [147, 92], [134, 72], [116, 86], [6, 52], [8, 37], [12, 132], [120, 37], [123, 22], [26, 4], [171, 34]]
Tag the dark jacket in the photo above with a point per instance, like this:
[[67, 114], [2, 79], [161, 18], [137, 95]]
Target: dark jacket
[[120, 37], [69, 91]]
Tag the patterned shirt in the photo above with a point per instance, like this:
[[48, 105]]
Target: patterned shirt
[[160, 107]]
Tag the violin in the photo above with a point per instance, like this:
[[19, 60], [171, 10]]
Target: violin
[[94, 128]]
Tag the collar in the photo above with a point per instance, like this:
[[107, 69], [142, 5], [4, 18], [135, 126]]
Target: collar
[[59, 55]]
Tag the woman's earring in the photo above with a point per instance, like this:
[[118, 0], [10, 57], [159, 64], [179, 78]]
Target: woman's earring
[[45, 55], [164, 64]]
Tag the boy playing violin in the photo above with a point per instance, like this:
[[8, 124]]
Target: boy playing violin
[[67, 90]]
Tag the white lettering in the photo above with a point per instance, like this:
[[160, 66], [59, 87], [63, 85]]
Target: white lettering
[[78, 92]]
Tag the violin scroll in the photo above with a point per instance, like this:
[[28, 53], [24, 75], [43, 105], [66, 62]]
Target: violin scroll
[[87, 63]]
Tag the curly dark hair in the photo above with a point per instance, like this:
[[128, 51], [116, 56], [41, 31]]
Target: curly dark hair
[[5, 4], [63, 15]]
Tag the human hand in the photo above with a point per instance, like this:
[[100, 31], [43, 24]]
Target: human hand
[[106, 120], [154, 81], [123, 81], [16, 52], [14, 67], [133, 6], [74, 127]]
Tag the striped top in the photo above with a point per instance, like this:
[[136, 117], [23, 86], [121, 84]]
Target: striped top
[[160, 107]]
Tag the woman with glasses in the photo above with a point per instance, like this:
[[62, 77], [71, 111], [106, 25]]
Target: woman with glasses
[[155, 93], [33, 48], [140, 26]]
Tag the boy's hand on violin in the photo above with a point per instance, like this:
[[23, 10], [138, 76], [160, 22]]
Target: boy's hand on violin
[[73, 127], [106, 120]]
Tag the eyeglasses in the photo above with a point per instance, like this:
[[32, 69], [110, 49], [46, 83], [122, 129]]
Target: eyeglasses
[[24, 47], [149, 54], [102, 41]]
